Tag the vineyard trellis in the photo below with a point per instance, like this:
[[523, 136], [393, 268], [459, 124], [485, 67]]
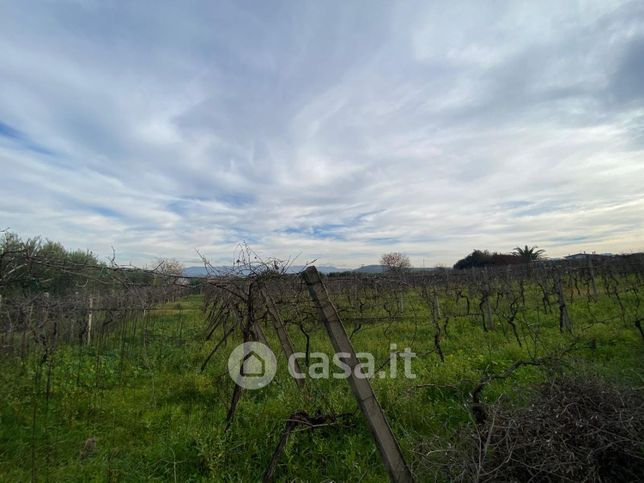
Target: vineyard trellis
[[256, 298]]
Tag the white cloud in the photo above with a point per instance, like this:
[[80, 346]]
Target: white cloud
[[322, 130]]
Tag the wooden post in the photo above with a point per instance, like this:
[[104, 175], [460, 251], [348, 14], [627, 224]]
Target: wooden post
[[488, 313], [44, 317], [73, 320], [282, 335], [89, 319], [388, 447], [591, 272], [564, 319], [488, 317], [9, 333], [24, 344], [436, 307]]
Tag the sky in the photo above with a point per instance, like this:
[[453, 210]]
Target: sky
[[326, 130]]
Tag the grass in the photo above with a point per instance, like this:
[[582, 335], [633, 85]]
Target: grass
[[156, 417]]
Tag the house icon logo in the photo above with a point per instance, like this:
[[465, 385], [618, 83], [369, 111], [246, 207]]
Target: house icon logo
[[252, 365]]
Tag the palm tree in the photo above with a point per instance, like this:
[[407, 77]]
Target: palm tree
[[530, 254]]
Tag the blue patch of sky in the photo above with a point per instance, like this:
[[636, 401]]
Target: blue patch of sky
[[384, 240], [236, 235], [571, 239], [363, 216], [9, 132], [538, 209], [513, 204], [23, 140], [107, 212], [326, 231], [182, 205], [335, 231], [179, 207], [142, 228], [237, 200]]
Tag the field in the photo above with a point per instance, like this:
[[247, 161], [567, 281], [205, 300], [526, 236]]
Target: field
[[134, 404]]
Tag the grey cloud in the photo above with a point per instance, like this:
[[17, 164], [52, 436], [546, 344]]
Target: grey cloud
[[325, 128], [628, 82]]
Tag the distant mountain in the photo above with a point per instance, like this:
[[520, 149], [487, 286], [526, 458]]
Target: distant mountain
[[382, 269], [321, 269], [195, 272], [370, 269], [202, 272]]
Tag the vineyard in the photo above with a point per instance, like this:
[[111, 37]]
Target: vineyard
[[123, 375]]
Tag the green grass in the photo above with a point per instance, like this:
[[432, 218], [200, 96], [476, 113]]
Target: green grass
[[157, 417]]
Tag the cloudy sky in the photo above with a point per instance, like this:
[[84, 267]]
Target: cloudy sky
[[329, 130]]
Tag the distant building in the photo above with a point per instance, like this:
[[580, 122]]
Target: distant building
[[577, 256], [584, 256]]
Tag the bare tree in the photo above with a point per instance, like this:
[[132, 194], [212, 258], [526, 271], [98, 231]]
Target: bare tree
[[395, 261], [169, 272], [169, 266]]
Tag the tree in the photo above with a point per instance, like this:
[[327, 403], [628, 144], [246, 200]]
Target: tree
[[395, 262], [34, 265], [478, 258], [169, 266], [169, 271], [483, 258], [529, 254]]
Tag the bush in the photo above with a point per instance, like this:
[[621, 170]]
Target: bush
[[483, 258], [574, 430]]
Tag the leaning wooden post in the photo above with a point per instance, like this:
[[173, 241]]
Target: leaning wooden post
[[89, 319], [388, 447]]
